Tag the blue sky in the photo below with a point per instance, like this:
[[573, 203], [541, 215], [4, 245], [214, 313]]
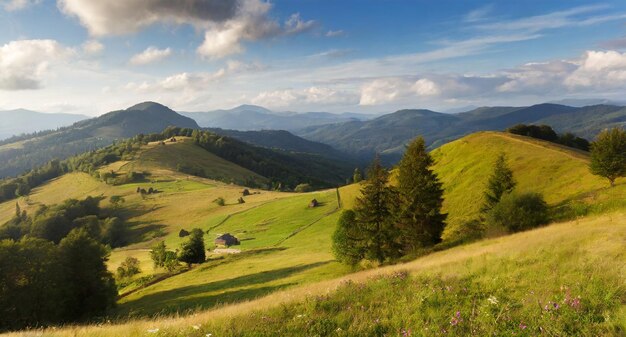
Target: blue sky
[[90, 57]]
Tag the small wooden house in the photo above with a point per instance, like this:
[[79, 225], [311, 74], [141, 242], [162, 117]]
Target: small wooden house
[[226, 240]]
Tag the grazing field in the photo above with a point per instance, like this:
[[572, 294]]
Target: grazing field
[[563, 279]]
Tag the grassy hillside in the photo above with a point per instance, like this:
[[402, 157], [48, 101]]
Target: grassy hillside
[[559, 173], [286, 270], [551, 281]]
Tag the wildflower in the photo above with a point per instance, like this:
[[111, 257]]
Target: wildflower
[[493, 300], [522, 326], [555, 305], [209, 335], [406, 333], [456, 319], [339, 329], [196, 327], [155, 330]]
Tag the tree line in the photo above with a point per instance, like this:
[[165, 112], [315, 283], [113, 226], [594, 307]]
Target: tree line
[[53, 265]]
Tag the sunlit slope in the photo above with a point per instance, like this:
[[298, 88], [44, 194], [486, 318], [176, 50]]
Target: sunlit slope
[[502, 286], [172, 155], [561, 174], [284, 243]]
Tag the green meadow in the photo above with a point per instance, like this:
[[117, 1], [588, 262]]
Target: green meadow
[[563, 279]]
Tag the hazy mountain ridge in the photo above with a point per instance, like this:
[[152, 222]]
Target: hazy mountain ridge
[[388, 134], [251, 117], [22, 121]]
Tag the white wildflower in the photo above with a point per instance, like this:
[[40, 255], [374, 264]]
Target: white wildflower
[[493, 300], [153, 330], [196, 327]]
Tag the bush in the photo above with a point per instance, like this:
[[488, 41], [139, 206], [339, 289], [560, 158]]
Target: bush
[[303, 188], [220, 201], [128, 268], [518, 212]]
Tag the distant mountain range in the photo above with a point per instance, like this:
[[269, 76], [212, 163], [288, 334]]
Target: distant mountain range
[[24, 153], [20, 121], [351, 139], [389, 134], [251, 117]]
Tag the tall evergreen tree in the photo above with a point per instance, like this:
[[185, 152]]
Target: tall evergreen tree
[[608, 155], [420, 199], [500, 182], [374, 215]]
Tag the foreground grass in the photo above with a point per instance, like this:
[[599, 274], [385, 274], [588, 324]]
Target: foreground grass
[[564, 279]]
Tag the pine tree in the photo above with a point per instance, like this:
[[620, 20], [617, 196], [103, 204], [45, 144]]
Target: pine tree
[[420, 199], [374, 215], [500, 182], [608, 155]]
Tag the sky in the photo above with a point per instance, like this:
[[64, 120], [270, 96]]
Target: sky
[[370, 56]]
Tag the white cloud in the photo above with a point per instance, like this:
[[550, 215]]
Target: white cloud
[[317, 96], [335, 33], [426, 87], [92, 47], [15, 5], [478, 14], [189, 82], [226, 23], [560, 19], [150, 55], [384, 90], [295, 24], [599, 69], [23, 63]]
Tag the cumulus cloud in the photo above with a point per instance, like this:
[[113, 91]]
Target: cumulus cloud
[[150, 55], [92, 47], [312, 95], [23, 63], [595, 71], [226, 23], [605, 69], [14, 5]]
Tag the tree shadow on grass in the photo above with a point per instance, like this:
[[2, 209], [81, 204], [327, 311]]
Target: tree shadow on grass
[[191, 297]]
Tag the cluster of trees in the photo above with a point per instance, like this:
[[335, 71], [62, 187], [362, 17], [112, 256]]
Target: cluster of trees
[[389, 222], [545, 132], [56, 222], [192, 251], [43, 283], [505, 208]]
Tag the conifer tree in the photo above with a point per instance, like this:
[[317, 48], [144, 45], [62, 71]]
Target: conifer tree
[[608, 155], [348, 240], [420, 199], [500, 182]]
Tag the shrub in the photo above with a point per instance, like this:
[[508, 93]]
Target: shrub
[[128, 268], [302, 188], [518, 212], [220, 201]]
